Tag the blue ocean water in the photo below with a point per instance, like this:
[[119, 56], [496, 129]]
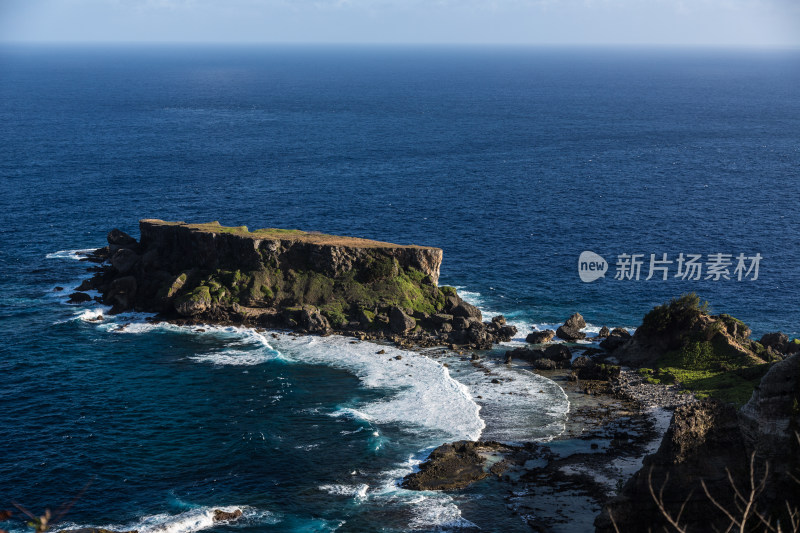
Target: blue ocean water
[[513, 160]]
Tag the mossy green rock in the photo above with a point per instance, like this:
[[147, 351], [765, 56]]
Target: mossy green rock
[[213, 272]]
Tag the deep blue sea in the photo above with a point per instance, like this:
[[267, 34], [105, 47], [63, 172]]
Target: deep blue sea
[[512, 160]]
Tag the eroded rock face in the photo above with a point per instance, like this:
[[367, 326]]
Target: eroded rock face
[[183, 247], [707, 441], [770, 419], [702, 441]]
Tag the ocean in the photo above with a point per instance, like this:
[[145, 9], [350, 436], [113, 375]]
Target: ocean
[[514, 161]]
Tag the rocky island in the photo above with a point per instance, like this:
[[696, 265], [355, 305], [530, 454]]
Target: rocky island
[[307, 281]]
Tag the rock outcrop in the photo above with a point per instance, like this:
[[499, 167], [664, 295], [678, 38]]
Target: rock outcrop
[[308, 281], [540, 337], [454, 466], [683, 325], [571, 329], [708, 450]]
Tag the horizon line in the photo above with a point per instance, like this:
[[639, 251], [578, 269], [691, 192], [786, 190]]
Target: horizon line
[[405, 44]]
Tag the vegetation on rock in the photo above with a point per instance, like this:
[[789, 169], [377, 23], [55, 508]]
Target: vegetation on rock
[[711, 355]]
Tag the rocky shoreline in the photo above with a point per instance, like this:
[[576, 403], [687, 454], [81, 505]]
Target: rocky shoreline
[[321, 284]]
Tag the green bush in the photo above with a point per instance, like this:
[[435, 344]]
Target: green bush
[[677, 315]]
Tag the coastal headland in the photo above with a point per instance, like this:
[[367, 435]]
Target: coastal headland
[[307, 281]]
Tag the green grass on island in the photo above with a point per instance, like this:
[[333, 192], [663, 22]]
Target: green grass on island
[[283, 234]]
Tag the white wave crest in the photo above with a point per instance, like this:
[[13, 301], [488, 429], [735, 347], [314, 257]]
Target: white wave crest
[[359, 492], [70, 254], [421, 391], [190, 521]]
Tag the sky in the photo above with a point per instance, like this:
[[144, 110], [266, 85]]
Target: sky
[[739, 23]]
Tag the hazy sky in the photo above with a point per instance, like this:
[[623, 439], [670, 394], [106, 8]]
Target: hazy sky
[[673, 22]]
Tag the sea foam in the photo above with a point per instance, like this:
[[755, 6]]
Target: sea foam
[[198, 519], [419, 391]]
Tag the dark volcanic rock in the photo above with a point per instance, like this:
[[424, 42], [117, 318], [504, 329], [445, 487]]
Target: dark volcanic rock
[[79, 298], [124, 260], [540, 337], [710, 442], [399, 321], [120, 238], [314, 321], [220, 515], [570, 334], [557, 354], [576, 322], [702, 441], [544, 364], [441, 318], [603, 333], [777, 341], [452, 466], [466, 310], [571, 330], [615, 339], [505, 333], [771, 418]]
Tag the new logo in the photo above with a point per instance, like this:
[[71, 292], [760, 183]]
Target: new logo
[[591, 266]]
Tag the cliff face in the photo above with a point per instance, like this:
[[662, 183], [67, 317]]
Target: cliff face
[[182, 246], [309, 281], [710, 442]]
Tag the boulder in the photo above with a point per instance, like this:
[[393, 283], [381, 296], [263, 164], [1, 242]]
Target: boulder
[[466, 310], [615, 339], [193, 303], [505, 333], [569, 334], [120, 238], [777, 341], [500, 320], [453, 466], [560, 354], [540, 337], [399, 321], [603, 333], [576, 322], [220, 515], [314, 321], [525, 354], [545, 364], [79, 298]]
